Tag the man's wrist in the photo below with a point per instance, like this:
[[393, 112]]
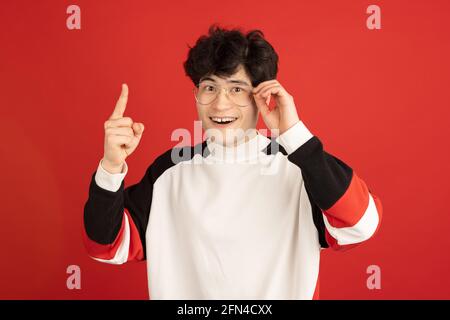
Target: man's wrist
[[110, 168], [110, 181], [294, 137]]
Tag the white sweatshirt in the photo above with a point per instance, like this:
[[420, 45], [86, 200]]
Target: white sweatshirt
[[232, 223]]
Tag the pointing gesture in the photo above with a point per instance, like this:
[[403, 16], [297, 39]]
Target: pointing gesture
[[122, 135], [121, 104]]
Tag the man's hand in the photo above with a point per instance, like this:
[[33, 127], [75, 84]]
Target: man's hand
[[122, 135], [284, 115]]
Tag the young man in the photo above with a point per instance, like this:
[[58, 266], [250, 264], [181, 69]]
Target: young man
[[238, 216]]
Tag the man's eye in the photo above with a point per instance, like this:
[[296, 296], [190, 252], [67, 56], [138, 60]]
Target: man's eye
[[238, 90], [209, 88]]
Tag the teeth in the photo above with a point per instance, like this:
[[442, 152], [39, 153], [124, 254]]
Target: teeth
[[224, 119]]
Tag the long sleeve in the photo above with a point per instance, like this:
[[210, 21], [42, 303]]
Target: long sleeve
[[351, 212], [115, 218]]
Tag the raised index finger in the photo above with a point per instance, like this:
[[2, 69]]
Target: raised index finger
[[121, 103]]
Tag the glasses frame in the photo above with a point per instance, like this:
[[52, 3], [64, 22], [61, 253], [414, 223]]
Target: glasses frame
[[217, 94]]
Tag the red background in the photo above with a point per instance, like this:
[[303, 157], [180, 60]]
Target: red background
[[378, 99]]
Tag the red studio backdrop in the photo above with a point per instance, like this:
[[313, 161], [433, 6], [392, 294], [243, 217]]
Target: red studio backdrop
[[377, 98]]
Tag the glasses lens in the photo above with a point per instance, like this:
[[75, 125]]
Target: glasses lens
[[240, 95], [206, 93]]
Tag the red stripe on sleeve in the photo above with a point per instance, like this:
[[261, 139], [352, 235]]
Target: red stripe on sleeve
[[332, 242], [104, 251], [108, 251], [350, 208], [136, 251]]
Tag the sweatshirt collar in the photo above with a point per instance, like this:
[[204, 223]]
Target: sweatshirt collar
[[250, 149]]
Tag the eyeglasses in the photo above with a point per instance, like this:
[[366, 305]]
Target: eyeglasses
[[206, 92]]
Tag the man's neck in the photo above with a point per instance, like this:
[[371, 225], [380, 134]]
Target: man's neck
[[249, 134]]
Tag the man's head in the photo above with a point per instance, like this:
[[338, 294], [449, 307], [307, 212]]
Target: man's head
[[236, 62]]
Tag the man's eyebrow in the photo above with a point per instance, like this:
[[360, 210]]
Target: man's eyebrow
[[230, 80], [207, 78], [239, 81]]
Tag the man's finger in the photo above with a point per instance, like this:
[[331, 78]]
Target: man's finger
[[263, 84], [121, 103], [138, 129], [120, 122], [261, 105], [267, 91]]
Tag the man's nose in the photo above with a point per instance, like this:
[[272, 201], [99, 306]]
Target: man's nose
[[222, 102]]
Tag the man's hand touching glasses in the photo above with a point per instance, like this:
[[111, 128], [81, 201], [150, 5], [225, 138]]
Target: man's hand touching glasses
[[284, 115]]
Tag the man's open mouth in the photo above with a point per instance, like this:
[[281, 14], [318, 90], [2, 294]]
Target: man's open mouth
[[223, 120]]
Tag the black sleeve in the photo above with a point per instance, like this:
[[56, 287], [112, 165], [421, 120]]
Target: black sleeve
[[104, 209]]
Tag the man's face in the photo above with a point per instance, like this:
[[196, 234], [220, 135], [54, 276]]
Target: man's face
[[243, 118]]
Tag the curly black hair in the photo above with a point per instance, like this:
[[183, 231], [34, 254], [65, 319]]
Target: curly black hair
[[222, 51]]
